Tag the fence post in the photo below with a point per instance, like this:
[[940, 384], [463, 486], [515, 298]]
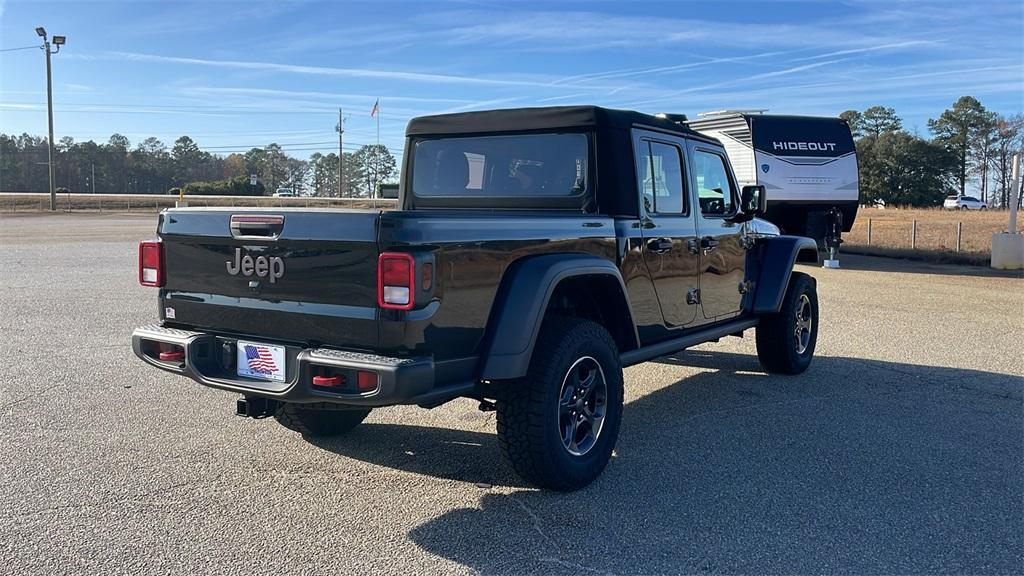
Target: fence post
[[869, 231], [959, 232], [913, 235]]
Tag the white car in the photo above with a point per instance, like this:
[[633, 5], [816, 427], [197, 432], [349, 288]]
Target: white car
[[963, 203], [285, 193]]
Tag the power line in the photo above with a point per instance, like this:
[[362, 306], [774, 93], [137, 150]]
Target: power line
[[22, 48]]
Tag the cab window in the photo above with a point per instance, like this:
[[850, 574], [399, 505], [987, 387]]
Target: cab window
[[660, 178], [714, 189]]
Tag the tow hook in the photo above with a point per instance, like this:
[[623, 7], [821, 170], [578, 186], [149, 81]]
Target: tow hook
[[255, 407], [487, 406]]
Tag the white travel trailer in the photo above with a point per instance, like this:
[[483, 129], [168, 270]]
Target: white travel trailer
[[807, 164]]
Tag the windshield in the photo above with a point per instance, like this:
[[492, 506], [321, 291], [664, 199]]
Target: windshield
[[523, 165]]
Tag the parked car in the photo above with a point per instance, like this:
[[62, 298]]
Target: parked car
[[285, 193], [963, 203], [535, 253]]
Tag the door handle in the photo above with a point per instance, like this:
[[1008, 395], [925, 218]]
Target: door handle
[[708, 243], [660, 245]]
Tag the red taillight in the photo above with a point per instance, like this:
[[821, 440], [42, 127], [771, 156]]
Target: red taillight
[[151, 263], [366, 381], [396, 281]]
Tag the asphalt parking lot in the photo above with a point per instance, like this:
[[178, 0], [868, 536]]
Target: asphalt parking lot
[[901, 450]]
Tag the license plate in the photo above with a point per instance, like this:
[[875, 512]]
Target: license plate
[[261, 361]]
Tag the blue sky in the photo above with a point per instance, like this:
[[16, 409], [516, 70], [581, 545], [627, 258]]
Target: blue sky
[[235, 74]]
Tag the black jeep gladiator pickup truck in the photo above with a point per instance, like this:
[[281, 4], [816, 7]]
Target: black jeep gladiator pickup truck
[[533, 254]]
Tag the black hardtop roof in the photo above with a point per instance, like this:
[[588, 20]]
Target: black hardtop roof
[[535, 119]]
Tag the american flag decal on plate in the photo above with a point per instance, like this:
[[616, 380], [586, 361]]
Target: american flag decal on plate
[[261, 361]]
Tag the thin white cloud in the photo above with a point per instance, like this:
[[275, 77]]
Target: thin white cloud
[[317, 95], [422, 77], [892, 46], [746, 80], [664, 69]]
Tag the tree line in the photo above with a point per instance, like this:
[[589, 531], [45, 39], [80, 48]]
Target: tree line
[[969, 145], [115, 167]]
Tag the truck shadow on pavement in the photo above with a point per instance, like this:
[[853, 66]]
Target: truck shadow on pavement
[[859, 465]]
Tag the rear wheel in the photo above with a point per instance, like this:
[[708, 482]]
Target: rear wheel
[[558, 425], [786, 339], [320, 419]]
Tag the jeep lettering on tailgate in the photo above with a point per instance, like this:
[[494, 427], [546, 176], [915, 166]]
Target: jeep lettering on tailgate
[[261, 266]]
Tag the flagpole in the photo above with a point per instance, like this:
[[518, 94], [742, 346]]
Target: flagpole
[[377, 173]]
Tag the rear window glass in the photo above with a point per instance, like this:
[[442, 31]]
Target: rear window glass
[[525, 165]]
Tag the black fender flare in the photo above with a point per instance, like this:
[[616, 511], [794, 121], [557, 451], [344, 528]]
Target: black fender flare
[[778, 255], [521, 301]]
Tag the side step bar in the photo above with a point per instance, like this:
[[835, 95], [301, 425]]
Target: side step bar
[[646, 353]]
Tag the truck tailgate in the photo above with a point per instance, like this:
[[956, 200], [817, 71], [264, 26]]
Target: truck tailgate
[[277, 274]]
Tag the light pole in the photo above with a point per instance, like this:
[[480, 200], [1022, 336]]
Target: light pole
[[58, 41]]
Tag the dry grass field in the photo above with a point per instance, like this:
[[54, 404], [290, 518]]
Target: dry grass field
[[936, 229], [891, 229]]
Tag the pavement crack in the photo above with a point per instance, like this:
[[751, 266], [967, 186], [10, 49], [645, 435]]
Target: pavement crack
[[26, 398], [538, 527], [536, 522]]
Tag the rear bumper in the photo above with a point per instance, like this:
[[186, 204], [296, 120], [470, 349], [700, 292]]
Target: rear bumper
[[209, 359]]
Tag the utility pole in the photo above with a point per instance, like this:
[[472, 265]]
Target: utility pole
[[58, 41], [93, 178], [341, 154]]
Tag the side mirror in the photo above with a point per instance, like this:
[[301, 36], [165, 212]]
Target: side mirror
[[753, 200]]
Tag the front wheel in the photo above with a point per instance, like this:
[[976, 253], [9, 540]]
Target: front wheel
[[320, 419], [558, 425], [786, 339]]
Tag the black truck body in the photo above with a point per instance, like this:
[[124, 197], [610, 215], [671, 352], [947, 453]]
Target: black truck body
[[494, 244]]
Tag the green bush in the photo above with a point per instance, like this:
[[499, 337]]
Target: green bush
[[234, 187]]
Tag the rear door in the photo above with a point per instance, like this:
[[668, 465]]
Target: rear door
[[300, 276], [722, 255], [668, 225]]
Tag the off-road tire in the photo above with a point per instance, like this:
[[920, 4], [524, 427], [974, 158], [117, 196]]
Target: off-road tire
[[320, 419], [778, 347], [529, 408]]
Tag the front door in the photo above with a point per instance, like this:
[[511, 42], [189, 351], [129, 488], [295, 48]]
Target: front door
[[668, 225], [722, 255]]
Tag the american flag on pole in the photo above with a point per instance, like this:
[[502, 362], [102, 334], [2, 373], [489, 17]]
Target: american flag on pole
[[260, 359], [376, 108]]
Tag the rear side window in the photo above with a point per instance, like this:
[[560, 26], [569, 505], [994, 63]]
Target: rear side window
[[714, 189], [660, 178], [523, 165]]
